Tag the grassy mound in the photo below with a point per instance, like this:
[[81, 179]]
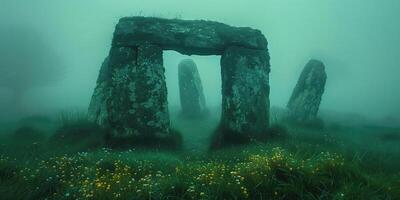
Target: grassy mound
[[223, 138], [77, 133], [80, 136], [30, 134], [173, 141]]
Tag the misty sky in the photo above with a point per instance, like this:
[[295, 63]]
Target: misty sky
[[358, 40]]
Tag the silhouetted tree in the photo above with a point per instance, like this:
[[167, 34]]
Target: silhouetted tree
[[26, 62]]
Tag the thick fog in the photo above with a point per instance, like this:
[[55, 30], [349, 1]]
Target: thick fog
[[358, 40]]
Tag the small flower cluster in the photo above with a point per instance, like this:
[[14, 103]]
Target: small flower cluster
[[4, 159]]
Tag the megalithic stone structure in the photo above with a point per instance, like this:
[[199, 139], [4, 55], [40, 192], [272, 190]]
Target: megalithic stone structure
[[130, 97], [193, 103], [304, 103]]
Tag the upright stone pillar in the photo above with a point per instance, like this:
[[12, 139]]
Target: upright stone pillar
[[245, 91], [191, 94], [132, 101], [304, 103]]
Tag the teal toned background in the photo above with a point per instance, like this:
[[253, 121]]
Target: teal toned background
[[358, 40]]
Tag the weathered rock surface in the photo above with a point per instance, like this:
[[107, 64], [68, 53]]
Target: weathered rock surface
[[186, 36], [304, 103], [192, 98], [245, 90], [98, 111], [131, 94], [131, 97]]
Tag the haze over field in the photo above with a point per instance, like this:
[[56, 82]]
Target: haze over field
[[358, 41], [76, 125]]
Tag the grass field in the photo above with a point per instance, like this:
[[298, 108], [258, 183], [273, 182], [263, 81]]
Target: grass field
[[337, 162]]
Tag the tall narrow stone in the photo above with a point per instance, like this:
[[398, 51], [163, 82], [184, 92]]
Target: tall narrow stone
[[131, 99], [304, 103], [245, 91], [192, 98]]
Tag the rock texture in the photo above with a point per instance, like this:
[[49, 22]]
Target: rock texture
[[192, 98], [245, 90], [130, 98], [186, 36], [304, 103], [131, 94], [98, 108]]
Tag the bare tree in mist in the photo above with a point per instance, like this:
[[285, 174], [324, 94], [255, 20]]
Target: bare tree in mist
[[26, 62]]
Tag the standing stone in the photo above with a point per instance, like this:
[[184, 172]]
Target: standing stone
[[304, 103], [131, 94], [245, 90], [191, 90]]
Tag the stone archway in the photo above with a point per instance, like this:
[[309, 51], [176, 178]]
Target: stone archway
[[131, 96]]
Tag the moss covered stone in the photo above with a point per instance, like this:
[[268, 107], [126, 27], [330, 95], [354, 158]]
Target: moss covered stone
[[245, 90]]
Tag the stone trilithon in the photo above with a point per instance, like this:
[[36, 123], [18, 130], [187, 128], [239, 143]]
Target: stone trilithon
[[130, 97]]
